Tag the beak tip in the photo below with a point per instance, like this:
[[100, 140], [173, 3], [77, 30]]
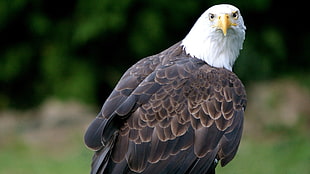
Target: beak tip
[[224, 32]]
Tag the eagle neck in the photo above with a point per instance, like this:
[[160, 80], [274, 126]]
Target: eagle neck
[[213, 47]]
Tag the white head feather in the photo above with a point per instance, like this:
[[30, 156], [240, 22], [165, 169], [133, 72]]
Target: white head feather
[[208, 41]]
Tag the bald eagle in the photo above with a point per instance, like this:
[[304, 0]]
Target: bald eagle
[[179, 111]]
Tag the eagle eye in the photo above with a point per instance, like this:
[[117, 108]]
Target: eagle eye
[[235, 15], [211, 16]]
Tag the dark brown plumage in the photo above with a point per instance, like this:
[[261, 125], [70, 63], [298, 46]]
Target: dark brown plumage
[[169, 113]]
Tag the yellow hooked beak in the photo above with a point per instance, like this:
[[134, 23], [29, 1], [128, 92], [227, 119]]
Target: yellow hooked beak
[[224, 23]]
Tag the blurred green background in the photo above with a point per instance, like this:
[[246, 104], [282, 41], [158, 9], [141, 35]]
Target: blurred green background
[[59, 60]]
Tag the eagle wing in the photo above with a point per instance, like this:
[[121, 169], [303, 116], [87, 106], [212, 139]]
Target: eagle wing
[[175, 118]]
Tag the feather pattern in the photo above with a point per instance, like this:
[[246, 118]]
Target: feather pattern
[[169, 113]]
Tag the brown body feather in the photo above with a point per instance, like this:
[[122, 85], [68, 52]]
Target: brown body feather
[[169, 113]]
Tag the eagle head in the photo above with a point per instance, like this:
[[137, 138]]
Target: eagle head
[[217, 36]]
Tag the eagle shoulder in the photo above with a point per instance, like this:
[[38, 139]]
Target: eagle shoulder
[[96, 136]]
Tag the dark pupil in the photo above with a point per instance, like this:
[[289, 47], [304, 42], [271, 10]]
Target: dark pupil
[[234, 15], [211, 16]]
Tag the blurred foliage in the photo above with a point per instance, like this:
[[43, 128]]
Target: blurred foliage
[[78, 49]]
